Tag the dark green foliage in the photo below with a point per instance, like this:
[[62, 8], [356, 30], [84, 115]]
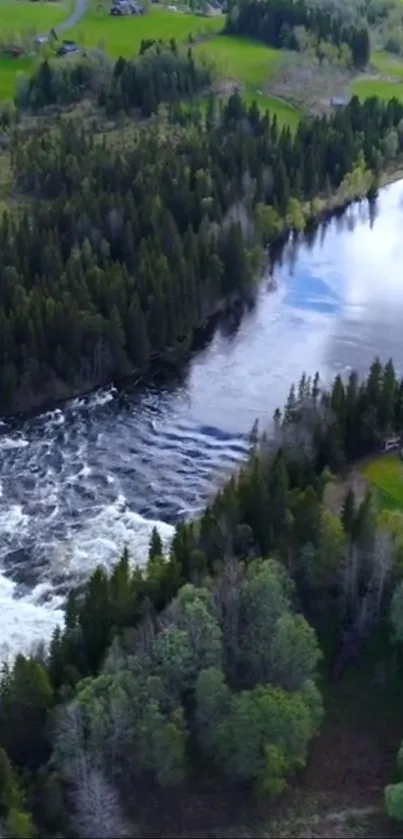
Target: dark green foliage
[[26, 698], [274, 22], [126, 250], [160, 74]]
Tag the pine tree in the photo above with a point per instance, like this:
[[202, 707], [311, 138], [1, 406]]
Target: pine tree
[[348, 512], [155, 549]]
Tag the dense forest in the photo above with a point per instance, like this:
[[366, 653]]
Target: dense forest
[[161, 73], [207, 662], [276, 23], [120, 250]]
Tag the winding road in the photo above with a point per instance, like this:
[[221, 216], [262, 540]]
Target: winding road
[[80, 8]]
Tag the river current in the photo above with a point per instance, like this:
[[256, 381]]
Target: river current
[[79, 483]]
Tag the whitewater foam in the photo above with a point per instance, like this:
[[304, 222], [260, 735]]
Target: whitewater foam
[[25, 622], [12, 520], [13, 443], [101, 538], [102, 397]]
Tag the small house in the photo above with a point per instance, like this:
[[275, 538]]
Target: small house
[[68, 48], [126, 7]]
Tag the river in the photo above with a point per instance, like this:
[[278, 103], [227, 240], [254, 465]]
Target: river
[[79, 483]]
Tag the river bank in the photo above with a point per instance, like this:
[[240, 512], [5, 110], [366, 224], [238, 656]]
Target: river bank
[[55, 393]]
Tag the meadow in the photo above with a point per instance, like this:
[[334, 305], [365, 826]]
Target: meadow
[[387, 64], [19, 15], [251, 64], [364, 89], [242, 59], [123, 35], [390, 81], [9, 70], [385, 474]]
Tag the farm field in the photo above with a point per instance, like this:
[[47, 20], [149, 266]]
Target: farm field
[[123, 35], [385, 474], [17, 15]]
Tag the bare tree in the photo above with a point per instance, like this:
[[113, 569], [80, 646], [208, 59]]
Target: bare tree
[[69, 742], [96, 805]]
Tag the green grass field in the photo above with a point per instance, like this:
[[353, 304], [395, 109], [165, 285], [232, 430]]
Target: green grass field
[[123, 35], [286, 114], [385, 473], [387, 64], [9, 69], [19, 15], [384, 90], [241, 58], [251, 64]]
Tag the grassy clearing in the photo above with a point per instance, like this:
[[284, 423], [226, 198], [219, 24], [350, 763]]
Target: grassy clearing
[[385, 473], [242, 59], [387, 64], [374, 87], [286, 113], [123, 35], [18, 15], [9, 69], [251, 64]]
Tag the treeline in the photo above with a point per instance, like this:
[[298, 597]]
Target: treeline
[[126, 248], [276, 23], [206, 662], [161, 73]]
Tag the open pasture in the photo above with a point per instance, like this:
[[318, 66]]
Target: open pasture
[[251, 64], [9, 69], [286, 113], [19, 15], [243, 59], [387, 64], [365, 88], [123, 35]]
